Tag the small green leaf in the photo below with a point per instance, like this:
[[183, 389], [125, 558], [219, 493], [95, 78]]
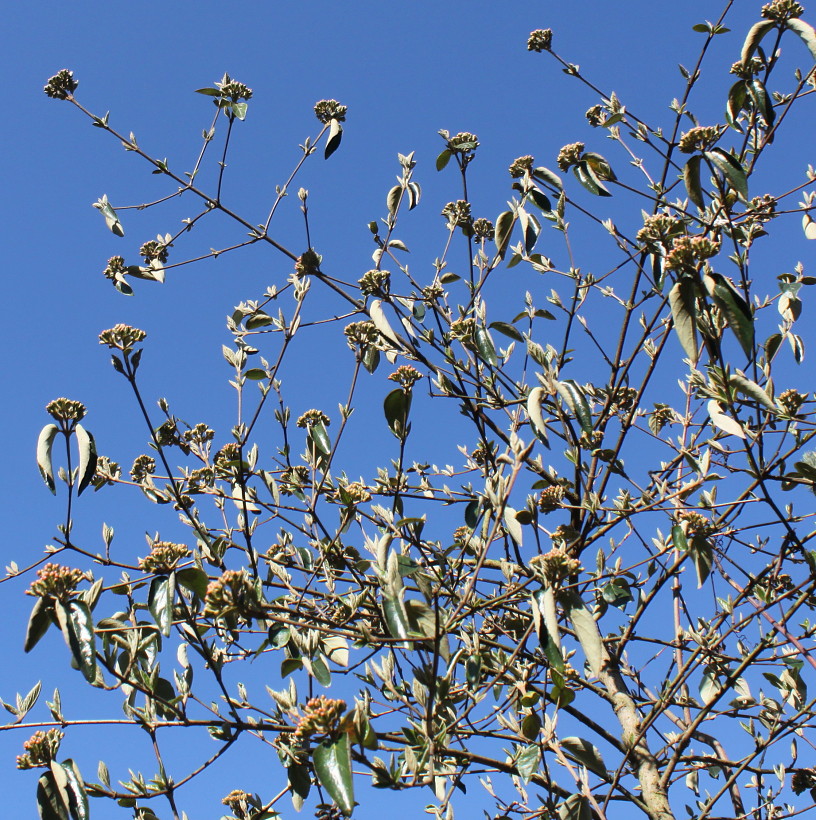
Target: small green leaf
[[528, 761], [255, 374], [541, 200], [731, 169], [503, 232], [736, 310], [87, 457], [320, 671], [210, 92], [320, 438], [682, 301], [584, 753], [396, 618], [512, 525], [45, 444], [587, 177], [691, 178], [586, 630], [534, 411], [41, 617], [751, 389], [507, 330], [575, 400], [575, 807], [484, 344], [473, 669], [443, 159], [50, 805], [335, 135], [543, 174], [737, 97], [76, 622], [71, 788], [160, 601], [397, 406], [332, 763], [238, 109], [194, 579]]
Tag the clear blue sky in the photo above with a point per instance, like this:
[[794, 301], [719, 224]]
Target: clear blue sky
[[404, 69]]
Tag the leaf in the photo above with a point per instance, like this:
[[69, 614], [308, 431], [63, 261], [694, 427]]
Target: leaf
[[320, 438], [809, 226], [76, 623], [761, 101], [484, 345], [575, 807], [534, 412], [541, 200], [335, 135], [691, 178], [723, 422], [160, 601], [737, 96], [39, 620], [71, 788], [736, 309], [393, 199], [752, 390], [731, 169], [238, 110], [332, 763], [111, 217], [87, 457], [586, 630], [806, 33], [753, 39], [45, 444], [397, 406], [210, 92], [382, 324], [443, 159], [50, 805], [682, 301], [585, 753], [194, 579], [528, 761], [512, 525], [503, 232], [587, 177], [320, 671], [396, 618], [575, 399], [507, 330], [543, 174]]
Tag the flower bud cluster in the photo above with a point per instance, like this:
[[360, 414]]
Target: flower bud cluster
[[62, 85], [540, 40], [63, 409], [327, 110], [40, 749], [143, 466], [570, 155], [700, 138], [163, 557], [312, 417], [780, 11], [405, 376], [375, 283], [554, 566], [56, 581], [121, 337], [320, 716]]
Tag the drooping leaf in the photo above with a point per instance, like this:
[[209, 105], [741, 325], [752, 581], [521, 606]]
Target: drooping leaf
[[751, 389], [393, 199], [377, 315], [396, 618], [320, 670], [76, 622], [587, 177], [586, 630], [50, 805], [761, 101], [160, 601], [45, 444], [397, 406], [484, 344], [72, 788], [723, 422], [332, 762], [736, 310], [528, 761], [543, 174], [194, 579], [585, 753], [575, 400], [507, 330], [682, 301], [806, 33], [41, 617], [753, 39], [575, 807], [320, 437], [691, 178], [335, 135], [534, 411], [737, 97], [443, 159], [731, 169], [513, 526], [503, 231], [87, 457]]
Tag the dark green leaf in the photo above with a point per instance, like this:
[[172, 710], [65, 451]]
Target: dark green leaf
[[370, 358], [76, 622], [682, 300], [255, 374], [575, 807], [194, 579], [318, 434], [299, 780], [87, 457], [45, 444], [587, 177], [575, 400], [484, 344], [160, 601], [761, 100], [541, 200], [393, 199], [397, 406], [737, 96], [320, 671], [617, 592], [584, 753], [72, 788], [543, 174], [504, 229], [259, 319], [736, 310], [772, 344], [752, 390], [443, 159], [50, 805], [335, 135], [586, 630], [473, 669], [508, 330], [691, 178], [396, 618], [210, 92], [332, 762], [731, 169], [38, 622]]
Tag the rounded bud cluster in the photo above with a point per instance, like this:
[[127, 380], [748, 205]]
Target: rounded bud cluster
[[312, 417], [374, 282], [122, 337], [320, 716], [483, 229], [551, 499], [521, 166], [570, 155], [405, 376], [163, 557], [63, 409], [232, 593], [327, 110], [791, 400], [40, 749], [700, 138], [540, 40], [62, 85], [458, 213], [554, 566], [780, 11], [56, 581]]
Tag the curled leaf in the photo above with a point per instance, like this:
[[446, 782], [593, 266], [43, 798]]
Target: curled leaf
[[45, 444], [87, 457]]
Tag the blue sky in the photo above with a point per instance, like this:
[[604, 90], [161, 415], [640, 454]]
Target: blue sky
[[405, 70]]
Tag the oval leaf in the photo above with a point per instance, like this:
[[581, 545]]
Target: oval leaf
[[691, 178], [485, 346], [45, 444], [682, 300], [397, 405], [87, 457], [38, 622], [586, 630], [335, 135], [160, 601], [76, 623], [731, 169], [806, 33], [332, 762]]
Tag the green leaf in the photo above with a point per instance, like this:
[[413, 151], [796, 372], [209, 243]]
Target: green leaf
[[111, 218], [484, 344], [507, 330], [473, 669], [87, 457], [397, 406], [239, 110], [320, 438], [72, 788], [396, 618], [691, 178], [443, 159], [541, 200], [575, 807], [586, 630], [736, 310], [259, 319], [682, 301], [512, 525], [160, 601], [255, 374], [617, 593], [534, 411], [761, 100], [332, 763], [320, 671], [582, 751], [753, 39], [194, 579], [575, 400], [335, 135], [752, 390], [543, 174], [76, 622], [210, 92], [806, 33], [299, 780], [587, 177], [504, 230], [737, 96], [393, 199], [50, 805], [45, 444], [528, 761], [731, 169], [41, 617], [370, 358]]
